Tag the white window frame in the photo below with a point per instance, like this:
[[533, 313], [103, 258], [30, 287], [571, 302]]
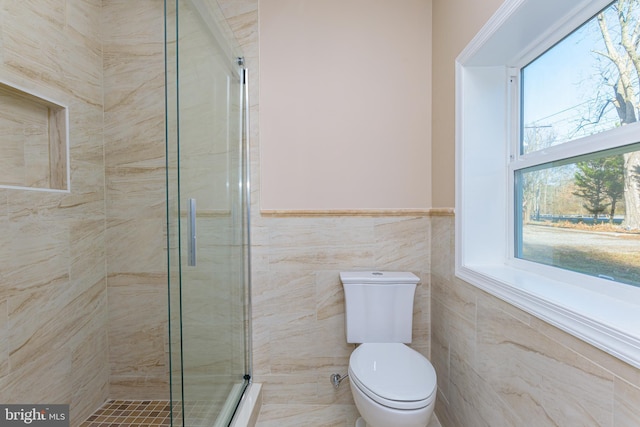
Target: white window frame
[[603, 313]]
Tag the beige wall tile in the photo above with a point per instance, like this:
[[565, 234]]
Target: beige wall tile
[[402, 244], [502, 366], [123, 127], [53, 288], [329, 296], [454, 335], [616, 366], [134, 72], [51, 319], [320, 243], [90, 366], [531, 372], [4, 340], [29, 243], [626, 412], [298, 300], [25, 384], [136, 387], [474, 401], [87, 253], [292, 415], [137, 325]]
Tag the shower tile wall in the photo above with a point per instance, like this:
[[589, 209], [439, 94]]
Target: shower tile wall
[[133, 37], [53, 299]]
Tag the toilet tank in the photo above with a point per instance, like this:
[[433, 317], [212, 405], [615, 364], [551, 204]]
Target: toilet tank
[[378, 306]]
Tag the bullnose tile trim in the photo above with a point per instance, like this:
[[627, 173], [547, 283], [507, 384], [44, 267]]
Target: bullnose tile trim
[[357, 212]]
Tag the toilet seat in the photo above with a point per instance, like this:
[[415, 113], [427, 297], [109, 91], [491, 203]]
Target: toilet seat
[[393, 375]]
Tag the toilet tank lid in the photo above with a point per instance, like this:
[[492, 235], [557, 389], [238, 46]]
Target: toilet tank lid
[[381, 277]]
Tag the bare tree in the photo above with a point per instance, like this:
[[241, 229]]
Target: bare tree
[[614, 182], [623, 55], [535, 138]]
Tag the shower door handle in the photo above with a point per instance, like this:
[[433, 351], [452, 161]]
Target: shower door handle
[[192, 233]]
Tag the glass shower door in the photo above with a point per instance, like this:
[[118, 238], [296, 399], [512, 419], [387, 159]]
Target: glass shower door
[[208, 266]]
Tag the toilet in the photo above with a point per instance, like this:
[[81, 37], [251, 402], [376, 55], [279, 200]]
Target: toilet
[[392, 384]]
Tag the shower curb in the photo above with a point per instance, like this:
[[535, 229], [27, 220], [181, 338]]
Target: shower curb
[[249, 408]]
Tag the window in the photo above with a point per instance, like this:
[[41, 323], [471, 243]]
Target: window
[[568, 215], [548, 166], [581, 213], [585, 84]]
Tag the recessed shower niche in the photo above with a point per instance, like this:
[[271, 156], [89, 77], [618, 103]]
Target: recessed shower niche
[[34, 141]]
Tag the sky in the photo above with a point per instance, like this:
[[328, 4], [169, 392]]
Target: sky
[[559, 86]]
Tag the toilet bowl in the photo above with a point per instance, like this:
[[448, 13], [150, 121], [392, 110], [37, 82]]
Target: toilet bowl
[[392, 385]]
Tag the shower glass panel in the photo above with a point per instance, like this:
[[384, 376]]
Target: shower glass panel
[[207, 215]]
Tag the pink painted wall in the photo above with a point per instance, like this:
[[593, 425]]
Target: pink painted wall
[[345, 102]]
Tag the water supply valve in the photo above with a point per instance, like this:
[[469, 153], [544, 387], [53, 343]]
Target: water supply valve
[[336, 379]]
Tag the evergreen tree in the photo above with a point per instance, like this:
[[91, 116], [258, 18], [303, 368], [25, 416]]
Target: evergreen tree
[[590, 179]]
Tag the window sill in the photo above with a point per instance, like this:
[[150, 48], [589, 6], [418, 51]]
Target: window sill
[[609, 322]]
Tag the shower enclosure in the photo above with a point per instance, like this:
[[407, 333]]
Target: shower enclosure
[[207, 214]]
